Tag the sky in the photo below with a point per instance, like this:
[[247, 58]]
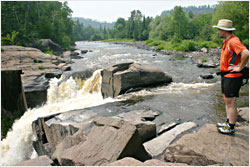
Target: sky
[[110, 11]]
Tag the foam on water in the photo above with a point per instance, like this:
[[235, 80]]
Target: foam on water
[[62, 96], [173, 88]]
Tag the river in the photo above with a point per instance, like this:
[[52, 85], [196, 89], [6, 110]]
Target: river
[[187, 98]]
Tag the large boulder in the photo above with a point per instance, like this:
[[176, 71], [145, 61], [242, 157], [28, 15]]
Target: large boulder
[[48, 44], [109, 140], [121, 78], [208, 147]]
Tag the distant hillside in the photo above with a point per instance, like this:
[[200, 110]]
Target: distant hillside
[[196, 10], [93, 23]]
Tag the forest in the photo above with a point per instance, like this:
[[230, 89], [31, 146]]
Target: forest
[[181, 28]]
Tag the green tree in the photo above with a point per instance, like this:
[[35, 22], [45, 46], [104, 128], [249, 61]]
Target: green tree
[[238, 12], [36, 20], [134, 25], [120, 28], [202, 29], [179, 23]]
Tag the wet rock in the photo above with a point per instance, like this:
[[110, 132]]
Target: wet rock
[[207, 76], [84, 51], [75, 55], [39, 161], [208, 147], [206, 65], [121, 78], [110, 139], [36, 98], [53, 75], [157, 146]]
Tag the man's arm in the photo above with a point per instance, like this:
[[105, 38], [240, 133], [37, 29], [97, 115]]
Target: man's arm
[[244, 59]]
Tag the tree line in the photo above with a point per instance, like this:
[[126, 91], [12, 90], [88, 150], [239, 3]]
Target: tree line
[[195, 10], [25, 21]]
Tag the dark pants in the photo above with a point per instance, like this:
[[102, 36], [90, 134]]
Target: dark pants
[[230, 87]]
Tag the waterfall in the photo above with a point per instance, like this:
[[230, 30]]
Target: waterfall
[[62, 96]]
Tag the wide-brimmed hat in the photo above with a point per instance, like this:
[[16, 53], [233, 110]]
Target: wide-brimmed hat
[[225, 24]]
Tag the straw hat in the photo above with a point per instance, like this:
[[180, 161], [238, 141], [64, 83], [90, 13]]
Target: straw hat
[[225, 24]]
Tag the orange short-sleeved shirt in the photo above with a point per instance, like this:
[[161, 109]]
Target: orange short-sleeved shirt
[[231, 45]]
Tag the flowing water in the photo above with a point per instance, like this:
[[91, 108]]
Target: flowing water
[[187, 98]]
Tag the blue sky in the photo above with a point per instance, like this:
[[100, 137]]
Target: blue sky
[[110, 11]]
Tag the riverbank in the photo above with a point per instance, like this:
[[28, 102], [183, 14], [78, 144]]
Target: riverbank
[[203, 56]]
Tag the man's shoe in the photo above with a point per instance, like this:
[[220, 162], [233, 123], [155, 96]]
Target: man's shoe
[[222, 124], [226, 130]]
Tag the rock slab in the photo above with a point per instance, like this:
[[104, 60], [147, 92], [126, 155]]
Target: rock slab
[[157, 146], [208, 147]]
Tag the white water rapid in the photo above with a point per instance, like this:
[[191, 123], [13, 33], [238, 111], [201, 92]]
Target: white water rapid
[[68, 95]]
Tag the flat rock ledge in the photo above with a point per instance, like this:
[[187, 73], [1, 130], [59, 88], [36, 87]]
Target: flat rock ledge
[[121, 78], [208, 147]]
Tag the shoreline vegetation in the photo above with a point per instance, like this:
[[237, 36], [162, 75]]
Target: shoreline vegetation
[[184, 45]]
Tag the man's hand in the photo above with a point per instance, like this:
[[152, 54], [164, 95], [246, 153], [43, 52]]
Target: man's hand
[[234, 68]]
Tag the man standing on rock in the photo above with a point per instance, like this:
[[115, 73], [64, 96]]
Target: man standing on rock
[[234, 57]]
